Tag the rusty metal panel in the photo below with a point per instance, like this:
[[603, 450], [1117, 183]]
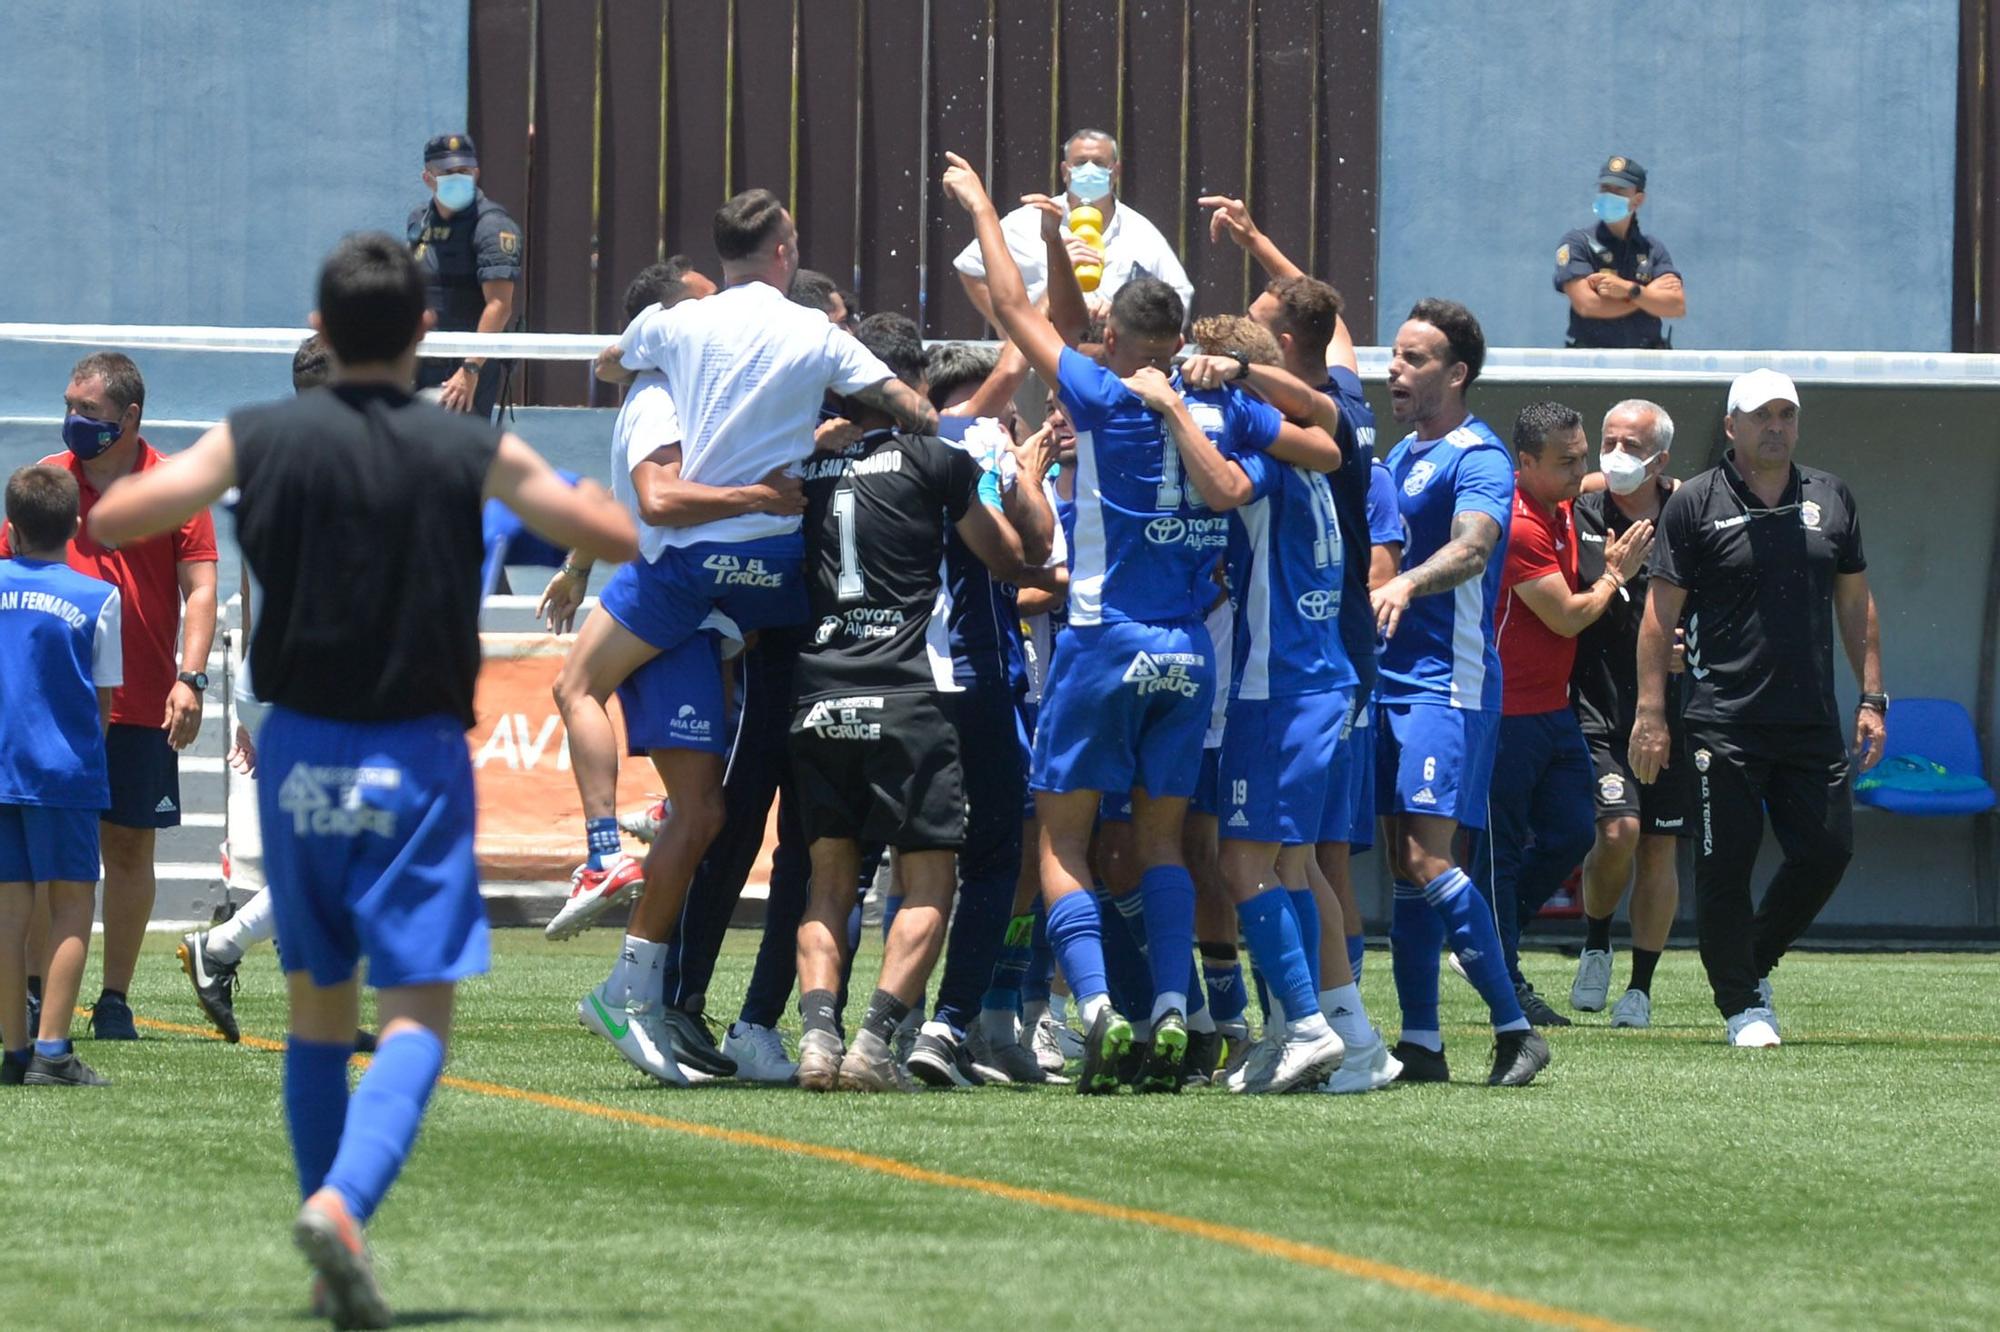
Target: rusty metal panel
[[697, 60], [893, 169], [1219, 91], [497, 101], [958, 119], [1091, 65], [761, 98], [1282, 127], [1024, 86], [1350, 124], [1153, 179], [829, 97], [561, 195], [632, 230]]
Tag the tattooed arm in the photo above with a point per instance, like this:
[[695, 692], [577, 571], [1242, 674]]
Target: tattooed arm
[[1474, 537]]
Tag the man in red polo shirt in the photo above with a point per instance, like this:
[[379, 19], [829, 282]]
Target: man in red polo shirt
[[157, 711], [1540, 813]]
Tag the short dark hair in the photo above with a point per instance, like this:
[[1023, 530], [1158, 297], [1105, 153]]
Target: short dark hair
[[42, 504], [1146, 307], [955, 368], [746, 223], [1460, 329], [123, 383], [1309, 310], [813, 289], [663, 284], [1539, 422], [371, 298], [896, 342], [311, 365]]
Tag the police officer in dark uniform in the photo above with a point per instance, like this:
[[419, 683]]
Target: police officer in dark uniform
[[470, 254], [1764, 558], [1620, 282]]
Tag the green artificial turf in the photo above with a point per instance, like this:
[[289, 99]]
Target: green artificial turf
[[1654, 1178]]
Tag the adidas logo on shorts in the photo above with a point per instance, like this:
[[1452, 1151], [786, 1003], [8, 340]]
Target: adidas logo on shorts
[[1424, 797], [166, 806], [1237, 820]]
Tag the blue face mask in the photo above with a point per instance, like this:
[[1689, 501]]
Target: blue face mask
[[1089, 182], [456, 192], [87, 437], [1611, 207]]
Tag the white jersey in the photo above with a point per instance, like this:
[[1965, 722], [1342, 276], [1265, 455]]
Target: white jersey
[[646, 423], [747, 370]]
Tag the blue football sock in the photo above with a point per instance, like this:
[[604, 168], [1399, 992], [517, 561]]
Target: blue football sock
[[1262, 987], [1131, 909], [1224, 982], [1306, 908], [1016, 951], [383, 1119], [1416, 933], [602, 837], [1076, 933], [1357, 952], [1041, 963], [1197, 1001], [890, 906], [21, 1056], [854, 930], [1468, 921], [1124, 955], [1273, 933], [315, 1105], [1169, 894], [53, 1049]]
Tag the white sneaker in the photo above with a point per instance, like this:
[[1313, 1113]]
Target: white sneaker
[[1754, 1029], [1046, 1043], [1635, 1009], [1301, 1064], [1766, 1001], [1592, 985], [759, 1053], [1366, 1068], [1256, 1067], [638, 1034], [592, 892], [645, 824]]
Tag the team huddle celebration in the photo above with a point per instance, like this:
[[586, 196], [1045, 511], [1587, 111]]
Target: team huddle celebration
[[1094, 655]]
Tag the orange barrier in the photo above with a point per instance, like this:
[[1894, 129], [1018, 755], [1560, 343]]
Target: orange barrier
[[530, 816]]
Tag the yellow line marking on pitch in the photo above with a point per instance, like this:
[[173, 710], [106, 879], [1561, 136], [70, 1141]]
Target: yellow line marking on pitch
[[1251, 1241]]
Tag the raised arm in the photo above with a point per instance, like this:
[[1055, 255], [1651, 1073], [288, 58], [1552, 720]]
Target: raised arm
[[161, 498], [1232, 218], [1025, 326], [583, 518], [909, 408]]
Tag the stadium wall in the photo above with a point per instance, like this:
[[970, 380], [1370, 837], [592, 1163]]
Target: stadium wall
[[1801, 161], [192, 163]]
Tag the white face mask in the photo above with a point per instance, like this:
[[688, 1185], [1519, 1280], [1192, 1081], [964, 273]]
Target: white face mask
[[1623, 473], [1089, 182]]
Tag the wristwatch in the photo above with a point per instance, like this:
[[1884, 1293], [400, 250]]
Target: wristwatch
[[1879, 702], [1637, 291], [195, 680], [1243, 361], [471, 367]]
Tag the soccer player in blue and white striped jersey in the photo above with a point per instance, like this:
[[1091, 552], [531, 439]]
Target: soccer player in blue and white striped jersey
[[1439, 695]]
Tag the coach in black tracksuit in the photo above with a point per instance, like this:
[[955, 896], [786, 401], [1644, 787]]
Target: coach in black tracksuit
[[1764, 556]]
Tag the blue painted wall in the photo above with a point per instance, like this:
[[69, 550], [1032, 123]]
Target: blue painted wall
[[191, 163], [1800, 160]]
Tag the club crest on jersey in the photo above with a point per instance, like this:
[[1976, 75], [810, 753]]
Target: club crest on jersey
[[1166, 531], [1316, 603], [1420, 476], [1164, 673], [827, 629], [1809, 515], [1701, 760], [1611, 788], [732, 571], [843, 719]]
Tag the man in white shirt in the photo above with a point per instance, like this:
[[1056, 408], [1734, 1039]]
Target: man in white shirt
[[1133, 246], [745, 373]]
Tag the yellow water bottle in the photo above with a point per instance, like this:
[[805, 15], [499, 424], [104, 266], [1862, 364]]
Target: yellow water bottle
[[1087, 224]]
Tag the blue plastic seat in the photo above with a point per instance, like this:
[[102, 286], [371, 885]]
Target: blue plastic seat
[[1933, 769]]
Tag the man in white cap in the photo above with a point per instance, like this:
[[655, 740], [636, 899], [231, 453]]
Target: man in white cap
[[1763, 557]]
